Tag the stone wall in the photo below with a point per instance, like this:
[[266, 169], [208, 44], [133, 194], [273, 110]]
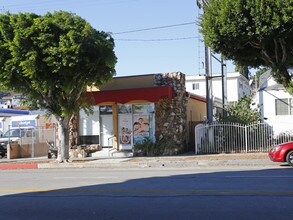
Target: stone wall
[[84, 151], [171, 114]]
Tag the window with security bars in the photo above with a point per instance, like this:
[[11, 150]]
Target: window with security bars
[[284, 106]]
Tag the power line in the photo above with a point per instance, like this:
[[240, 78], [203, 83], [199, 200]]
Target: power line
[[50, 5], [153, 28], [149, 40]]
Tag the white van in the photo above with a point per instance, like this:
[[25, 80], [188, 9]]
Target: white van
[[12, 136]]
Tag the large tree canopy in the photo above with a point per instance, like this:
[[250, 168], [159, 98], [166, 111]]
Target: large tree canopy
[[253, 33], [52, 58]]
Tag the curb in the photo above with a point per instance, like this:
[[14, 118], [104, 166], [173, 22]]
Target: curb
[[122, 163], [15, 166], [159, 164]]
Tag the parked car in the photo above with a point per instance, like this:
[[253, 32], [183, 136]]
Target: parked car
[[282, 153], [13, 135]]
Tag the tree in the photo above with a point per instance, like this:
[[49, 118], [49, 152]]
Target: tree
[[243, 70], [241, 112], [252, 33], [52, 59]]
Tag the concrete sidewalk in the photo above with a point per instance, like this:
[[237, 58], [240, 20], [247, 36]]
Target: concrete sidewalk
[[183, 161]]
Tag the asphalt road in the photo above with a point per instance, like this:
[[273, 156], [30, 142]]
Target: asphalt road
[[159, 193]]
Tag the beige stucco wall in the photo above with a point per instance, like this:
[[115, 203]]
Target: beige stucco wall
[[25, 151], [196, 110]]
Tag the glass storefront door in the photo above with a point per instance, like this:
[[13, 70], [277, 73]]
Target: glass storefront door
[[106, 123]]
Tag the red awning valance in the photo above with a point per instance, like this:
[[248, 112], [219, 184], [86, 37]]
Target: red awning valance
[[153, 94]]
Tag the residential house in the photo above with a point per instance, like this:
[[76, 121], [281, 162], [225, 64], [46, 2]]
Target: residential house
[[276, 105], [237, 86], [11, 100]]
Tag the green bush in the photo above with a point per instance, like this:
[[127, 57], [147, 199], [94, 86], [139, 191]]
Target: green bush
[[148, 148]]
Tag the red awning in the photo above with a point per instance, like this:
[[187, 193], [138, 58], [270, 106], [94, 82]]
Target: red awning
[[153, 94]]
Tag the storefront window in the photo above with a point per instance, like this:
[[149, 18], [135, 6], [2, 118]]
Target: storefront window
[[125, 126], [106, 110], [135, 123], [124, 109], [143, 108], [142, 122]]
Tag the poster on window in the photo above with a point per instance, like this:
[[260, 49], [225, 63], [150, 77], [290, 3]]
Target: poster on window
[[125, 129], [141, 127]]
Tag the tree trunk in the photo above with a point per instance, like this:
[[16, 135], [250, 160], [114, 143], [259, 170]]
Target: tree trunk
[[73, 131], [63, 150]]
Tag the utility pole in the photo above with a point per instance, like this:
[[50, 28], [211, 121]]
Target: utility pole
[[224, 85], [208, 73], [209, 86], [209, 77]]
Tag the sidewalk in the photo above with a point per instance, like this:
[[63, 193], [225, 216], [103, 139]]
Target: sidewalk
[[183, 161]]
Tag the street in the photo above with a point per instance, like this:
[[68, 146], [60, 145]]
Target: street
[[148, 193]]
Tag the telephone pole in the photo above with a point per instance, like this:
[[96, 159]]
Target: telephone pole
[[209, 77], [208, 73]]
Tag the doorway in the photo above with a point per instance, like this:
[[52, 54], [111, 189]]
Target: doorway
[[106, 126]]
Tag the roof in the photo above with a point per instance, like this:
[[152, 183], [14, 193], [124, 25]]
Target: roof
[[196, 97], [9, 111], [275, 87], [264, 78], [216, 75]]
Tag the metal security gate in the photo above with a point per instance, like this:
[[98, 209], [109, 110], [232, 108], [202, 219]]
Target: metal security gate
[[237, 138]]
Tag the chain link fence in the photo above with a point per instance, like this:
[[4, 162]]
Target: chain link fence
[[29, 142]]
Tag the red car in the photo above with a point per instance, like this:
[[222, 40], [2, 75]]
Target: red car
[[282, 153]]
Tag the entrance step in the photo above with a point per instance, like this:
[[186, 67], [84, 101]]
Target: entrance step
[[122, 154], [111, 152]]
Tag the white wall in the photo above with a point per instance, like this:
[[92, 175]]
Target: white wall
[[266, 99], [269, 108], [237, 86], [89, 124]]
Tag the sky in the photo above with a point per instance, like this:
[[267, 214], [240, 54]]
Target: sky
[[151, 36]]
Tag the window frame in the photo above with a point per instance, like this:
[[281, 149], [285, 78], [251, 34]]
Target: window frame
[[283, 106]]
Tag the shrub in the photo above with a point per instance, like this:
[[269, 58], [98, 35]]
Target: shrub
[[161, 148]]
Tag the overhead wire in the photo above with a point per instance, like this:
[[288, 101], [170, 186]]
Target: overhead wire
[[48, 3], [152, 40], [154, 28]]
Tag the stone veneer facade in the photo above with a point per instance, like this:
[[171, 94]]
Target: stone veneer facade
[[170, 116]]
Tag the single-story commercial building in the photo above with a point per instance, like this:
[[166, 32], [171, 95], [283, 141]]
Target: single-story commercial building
[[131, 109]]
